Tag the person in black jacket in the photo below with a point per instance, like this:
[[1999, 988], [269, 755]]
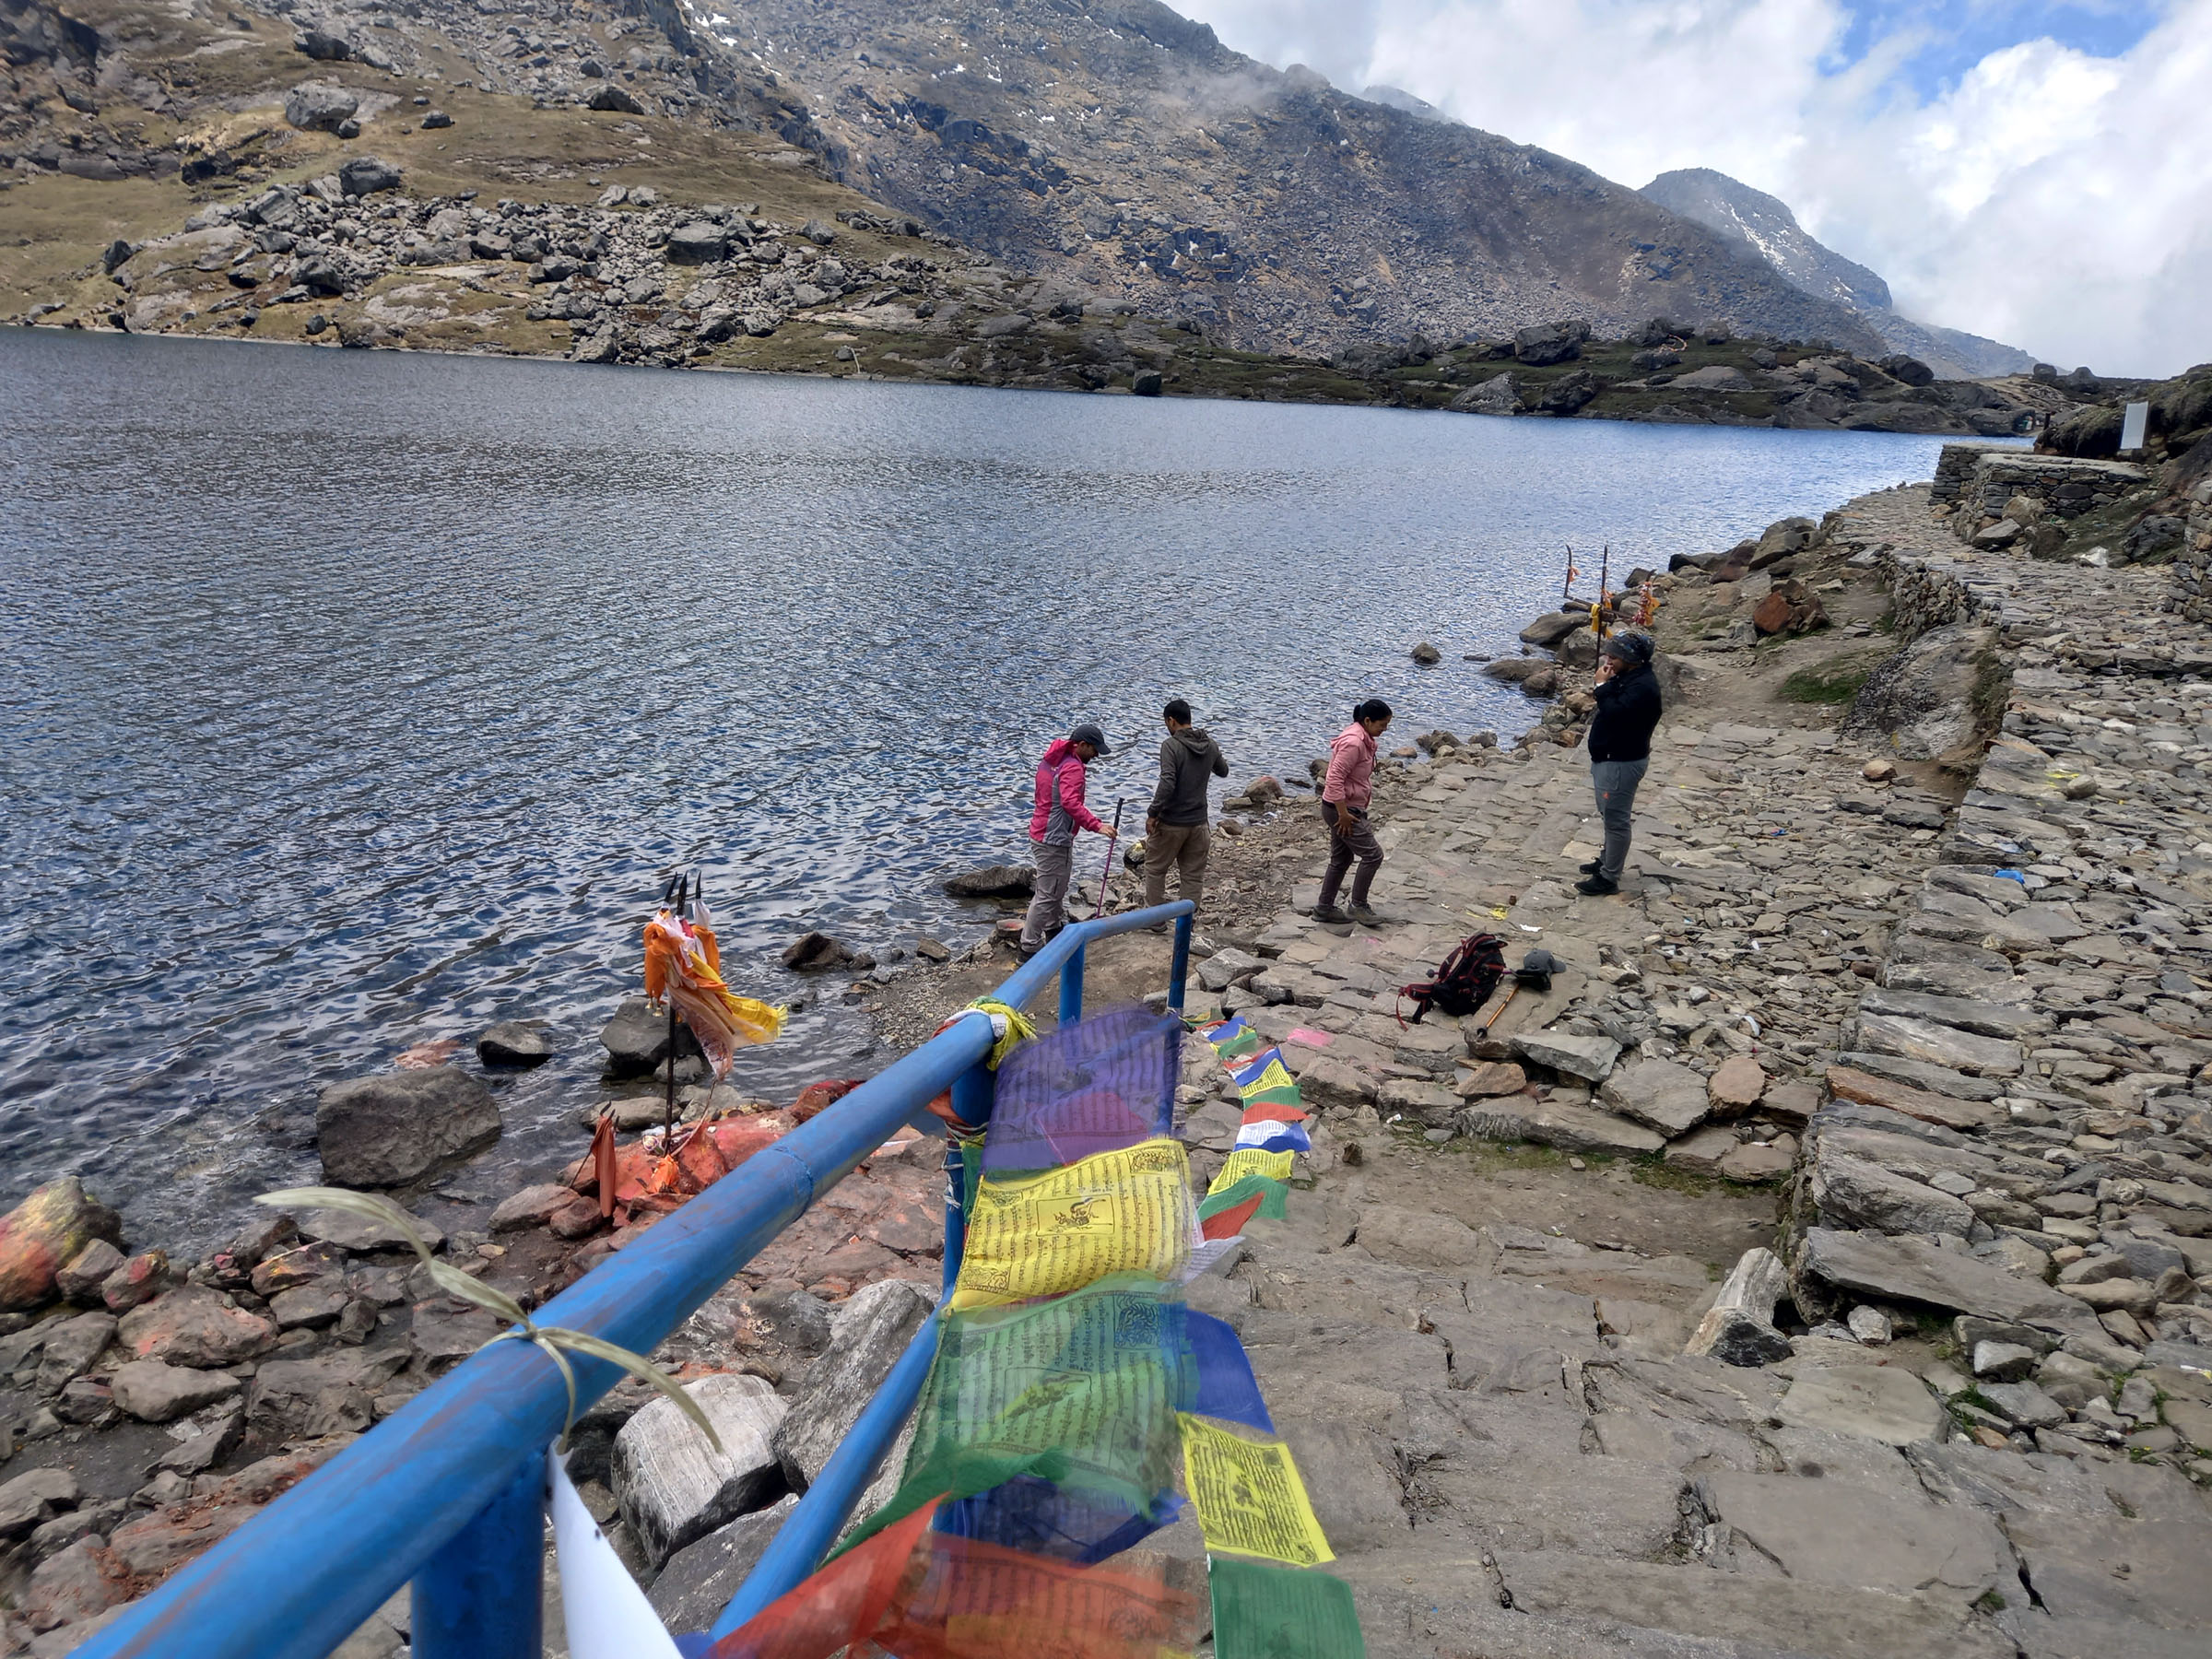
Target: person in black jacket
[[1176, 833], [1620, 750]]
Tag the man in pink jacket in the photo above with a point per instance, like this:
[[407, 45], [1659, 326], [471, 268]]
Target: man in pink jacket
[[1059, 813], [1345, 797]]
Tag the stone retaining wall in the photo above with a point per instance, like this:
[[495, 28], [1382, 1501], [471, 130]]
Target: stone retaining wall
[[1976, 480], [2192, 595]]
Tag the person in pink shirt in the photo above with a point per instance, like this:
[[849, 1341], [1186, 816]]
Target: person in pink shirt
[[1345, 797], [1058, 815]]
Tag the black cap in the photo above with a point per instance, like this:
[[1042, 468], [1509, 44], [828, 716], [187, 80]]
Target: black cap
[[1089, 732], [1631, 648]]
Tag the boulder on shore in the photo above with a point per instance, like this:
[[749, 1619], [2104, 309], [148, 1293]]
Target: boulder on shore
[[1548, 630], [1789, 607], [636, 1039], [816, 953], [673, 1486], [513, 1043], [390, 1130], [1546, 344], [866, 1336], [993, 881], [44, 1234]]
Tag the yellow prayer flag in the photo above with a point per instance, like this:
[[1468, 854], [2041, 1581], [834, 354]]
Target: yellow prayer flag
[[1250, 1160], [1249, 1497], [1277, 1075], [1129, 1211]]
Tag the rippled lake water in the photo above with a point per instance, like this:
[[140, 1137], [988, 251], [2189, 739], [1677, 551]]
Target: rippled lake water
[[353, 699]]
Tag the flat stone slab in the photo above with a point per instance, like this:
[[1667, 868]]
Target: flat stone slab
[[1877, 1401], [1984, 1018], [1420, 1237], [1919, 1074], [1660, 1094], [1849, 1082], [1853, 1193], [1836, 1531], [1910, 1270], [1590, 1058], [1765, 1615], [1549, 1123], [1933, 1044]]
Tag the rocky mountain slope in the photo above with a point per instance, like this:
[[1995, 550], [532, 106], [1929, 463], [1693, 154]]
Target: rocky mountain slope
[[1117, 146], [586, 183], [1763, 228]]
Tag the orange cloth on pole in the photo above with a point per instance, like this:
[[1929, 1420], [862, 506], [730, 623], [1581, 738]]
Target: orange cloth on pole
[[683, 963]]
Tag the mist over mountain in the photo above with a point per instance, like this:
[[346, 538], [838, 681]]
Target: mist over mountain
[[1764, 229]]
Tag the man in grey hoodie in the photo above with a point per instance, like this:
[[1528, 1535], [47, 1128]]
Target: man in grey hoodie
[[1176, 832]]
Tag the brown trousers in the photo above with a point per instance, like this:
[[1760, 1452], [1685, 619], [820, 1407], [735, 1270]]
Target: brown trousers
[[1186, 846]]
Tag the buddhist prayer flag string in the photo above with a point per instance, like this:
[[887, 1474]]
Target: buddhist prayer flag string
[[1076, 1406]]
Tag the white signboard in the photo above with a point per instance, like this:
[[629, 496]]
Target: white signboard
[[2132, 428]]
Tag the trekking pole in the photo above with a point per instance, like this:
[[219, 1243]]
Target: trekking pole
[[678, 887], [1106, 874]]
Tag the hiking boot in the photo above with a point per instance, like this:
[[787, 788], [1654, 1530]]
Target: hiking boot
[[1364, 914], [1596, 887], [1593, 867], [1328, 913]]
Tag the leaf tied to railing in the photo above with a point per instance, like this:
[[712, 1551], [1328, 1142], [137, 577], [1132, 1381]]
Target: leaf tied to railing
[[550, 1339]]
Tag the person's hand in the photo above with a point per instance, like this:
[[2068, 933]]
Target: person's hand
[[1606, 667], [1151, 826]]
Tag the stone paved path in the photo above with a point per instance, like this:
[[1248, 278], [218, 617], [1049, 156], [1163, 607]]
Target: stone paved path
[[2007, 1188]]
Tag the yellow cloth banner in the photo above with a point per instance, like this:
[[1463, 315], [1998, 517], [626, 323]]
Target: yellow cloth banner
[[1249, 1497], [1277, 1075], [1275, 1166], [1129, 1211]]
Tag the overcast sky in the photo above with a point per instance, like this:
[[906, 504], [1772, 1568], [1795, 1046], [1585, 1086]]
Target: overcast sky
[[2037, 170]]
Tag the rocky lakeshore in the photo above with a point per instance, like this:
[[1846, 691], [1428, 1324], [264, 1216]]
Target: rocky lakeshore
[[1820, 1265]]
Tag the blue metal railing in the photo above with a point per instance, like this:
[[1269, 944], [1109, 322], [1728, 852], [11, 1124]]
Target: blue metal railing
[[446, 1492]]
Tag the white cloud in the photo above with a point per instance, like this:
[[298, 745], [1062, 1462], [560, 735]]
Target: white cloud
[[2047, 197]]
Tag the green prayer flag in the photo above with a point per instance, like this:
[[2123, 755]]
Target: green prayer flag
[[1263, 1612]]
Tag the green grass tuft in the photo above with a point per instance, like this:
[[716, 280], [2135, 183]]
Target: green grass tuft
[[1832, 682]]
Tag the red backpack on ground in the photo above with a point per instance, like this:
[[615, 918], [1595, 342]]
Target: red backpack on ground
[[1463, 979]]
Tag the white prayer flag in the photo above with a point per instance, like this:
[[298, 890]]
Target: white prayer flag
[[607, 1616]]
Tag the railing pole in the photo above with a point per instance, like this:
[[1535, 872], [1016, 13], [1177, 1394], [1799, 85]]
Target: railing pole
[[1179, 972], [483, 1595], [973, 1093], [1071, 989]]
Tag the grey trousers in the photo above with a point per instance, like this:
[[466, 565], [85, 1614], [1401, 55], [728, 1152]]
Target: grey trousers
[[1361, 844], [1615, 782], [1186, 846], [1048, 902]]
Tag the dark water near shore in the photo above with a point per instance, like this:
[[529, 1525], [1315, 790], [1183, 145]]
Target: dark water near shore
[[357, 699]]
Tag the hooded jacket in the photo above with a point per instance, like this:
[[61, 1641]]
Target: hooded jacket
[[1059, 811], [1627, 711], [1351, 776], [1187, 759]]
